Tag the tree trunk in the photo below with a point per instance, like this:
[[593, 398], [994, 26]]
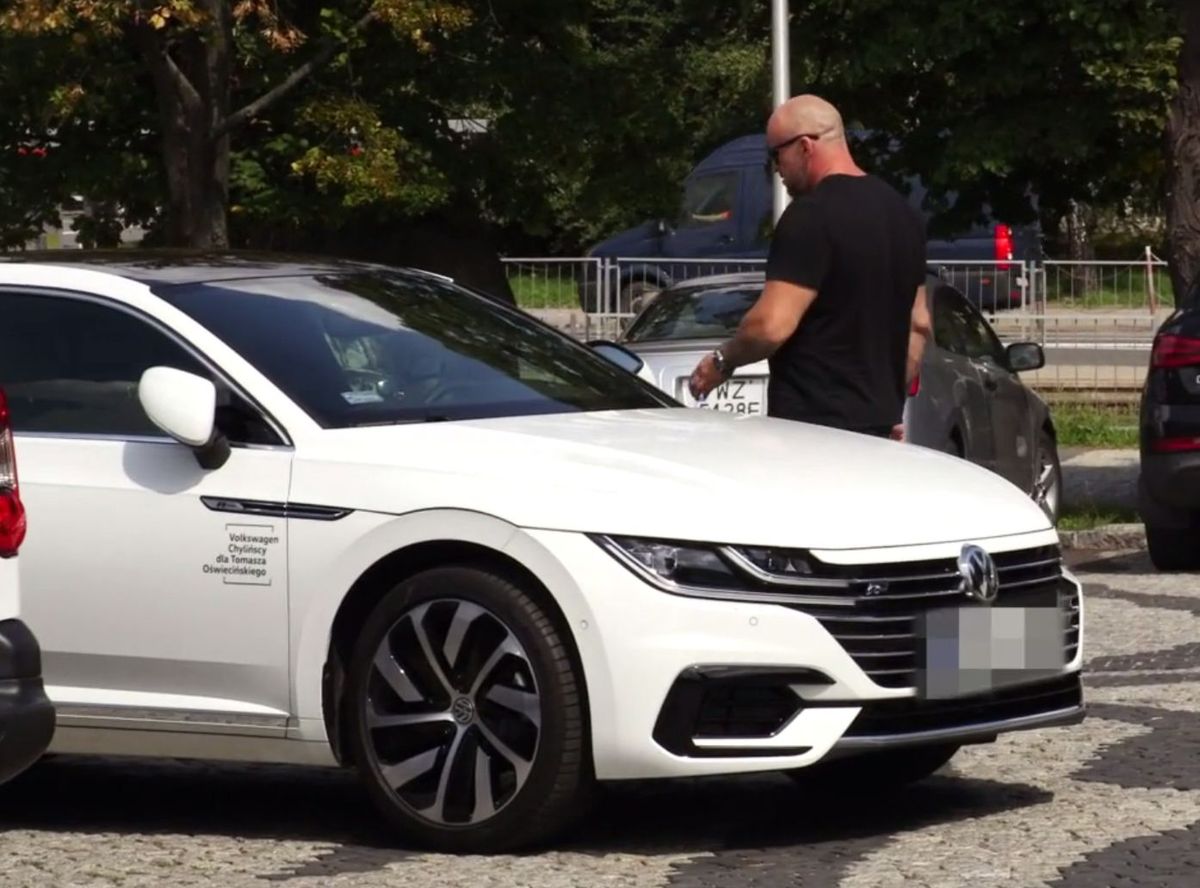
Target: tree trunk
[[192, 84], [1183, 159], [197, 181], [1081, 231], [193, 77]]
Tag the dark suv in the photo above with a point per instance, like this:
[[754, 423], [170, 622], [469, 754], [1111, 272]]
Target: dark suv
[[1169, 484]]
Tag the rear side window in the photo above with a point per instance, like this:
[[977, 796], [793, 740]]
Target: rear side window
[[959, 328]]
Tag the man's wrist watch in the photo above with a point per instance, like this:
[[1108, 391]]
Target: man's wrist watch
[[720, 362]]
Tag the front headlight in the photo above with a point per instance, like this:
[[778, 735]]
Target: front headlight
[[742, 572], [778, 562], [679, 563]]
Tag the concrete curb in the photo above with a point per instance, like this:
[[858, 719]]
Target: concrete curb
[[1111, 537]]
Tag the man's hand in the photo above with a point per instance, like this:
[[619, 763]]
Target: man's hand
[[705, 377], [898, 432]]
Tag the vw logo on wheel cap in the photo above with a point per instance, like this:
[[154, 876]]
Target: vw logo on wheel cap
[[979, 579], [463, 710]]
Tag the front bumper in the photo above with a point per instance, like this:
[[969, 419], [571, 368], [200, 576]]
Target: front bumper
[[26, 716], [640, 645]]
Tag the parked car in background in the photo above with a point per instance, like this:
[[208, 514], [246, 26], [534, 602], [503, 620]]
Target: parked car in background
[[26, 716], [726, 211], [332, 513], [1169, 478], [968, 401]]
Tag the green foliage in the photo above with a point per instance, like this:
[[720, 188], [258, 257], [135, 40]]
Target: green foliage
[[593, 110], [1090, 516], [1090, 425]]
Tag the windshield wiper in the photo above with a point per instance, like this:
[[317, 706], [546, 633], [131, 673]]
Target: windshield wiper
[[391, 422]]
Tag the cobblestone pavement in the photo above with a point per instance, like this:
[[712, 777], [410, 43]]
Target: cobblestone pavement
[[1112, 802]]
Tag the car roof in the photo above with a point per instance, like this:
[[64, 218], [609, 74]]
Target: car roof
[[741, 278], [713, 281], [745, 151], [181, 266]]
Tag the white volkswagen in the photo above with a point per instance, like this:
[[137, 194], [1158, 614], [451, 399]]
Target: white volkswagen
[[331, 513]]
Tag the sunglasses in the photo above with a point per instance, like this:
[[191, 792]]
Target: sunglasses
[[773, 153]]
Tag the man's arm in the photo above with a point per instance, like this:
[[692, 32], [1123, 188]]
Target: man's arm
[[919, 333], [768, 324]]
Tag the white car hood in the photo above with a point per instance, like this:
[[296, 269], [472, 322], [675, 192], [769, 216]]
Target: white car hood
[[669, 473]]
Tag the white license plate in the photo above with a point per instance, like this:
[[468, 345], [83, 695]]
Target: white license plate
[[974, 650], [744, 396]]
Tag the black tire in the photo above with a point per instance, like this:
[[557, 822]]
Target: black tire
[[1047, 491], [883, 771], [539, 777], [1173, 548]]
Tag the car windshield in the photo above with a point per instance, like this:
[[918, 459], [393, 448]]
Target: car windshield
[[378, 347], [694, 314]]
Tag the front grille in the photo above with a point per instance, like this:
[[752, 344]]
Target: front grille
[[879, 631], [908, 715]]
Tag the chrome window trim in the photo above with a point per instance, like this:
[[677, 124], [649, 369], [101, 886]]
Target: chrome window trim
[[136, 439], [174, 336]]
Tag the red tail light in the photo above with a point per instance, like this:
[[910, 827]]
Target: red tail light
[[1175, 351], [914, 387], [1004, 246], [1176, 445], [12, 513]]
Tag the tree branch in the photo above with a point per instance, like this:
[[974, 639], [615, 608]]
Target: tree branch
[[166, 72], [269, 98], [187, 90]]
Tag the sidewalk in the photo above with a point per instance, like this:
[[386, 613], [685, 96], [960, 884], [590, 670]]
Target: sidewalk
[[1101, 479]]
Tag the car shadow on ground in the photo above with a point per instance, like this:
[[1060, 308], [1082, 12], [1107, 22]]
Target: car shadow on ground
[[67, 794], [1098, 562]]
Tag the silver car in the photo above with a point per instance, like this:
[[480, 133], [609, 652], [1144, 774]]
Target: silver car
[[968, 400]]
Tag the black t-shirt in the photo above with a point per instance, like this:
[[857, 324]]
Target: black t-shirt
[[857, 242]]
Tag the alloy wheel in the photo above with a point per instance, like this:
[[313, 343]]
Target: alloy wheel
[[453, 712]]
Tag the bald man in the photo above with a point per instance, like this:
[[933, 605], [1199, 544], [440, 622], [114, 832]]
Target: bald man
[[843, 316]]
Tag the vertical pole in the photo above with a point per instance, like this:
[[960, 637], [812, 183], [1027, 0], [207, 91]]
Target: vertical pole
[[1150, 280], [780, 61]]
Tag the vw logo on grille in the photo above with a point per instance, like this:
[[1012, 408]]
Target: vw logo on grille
[[978, 572], [463, 710]]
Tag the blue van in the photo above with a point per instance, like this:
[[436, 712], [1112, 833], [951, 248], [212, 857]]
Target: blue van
[[725, 217]]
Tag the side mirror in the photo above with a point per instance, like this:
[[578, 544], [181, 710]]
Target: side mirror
[[623, 358], [1025, 356], [184, 406], [618, 354]]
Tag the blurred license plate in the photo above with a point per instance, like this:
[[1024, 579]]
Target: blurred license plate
[[742, 395], [973, 650]]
